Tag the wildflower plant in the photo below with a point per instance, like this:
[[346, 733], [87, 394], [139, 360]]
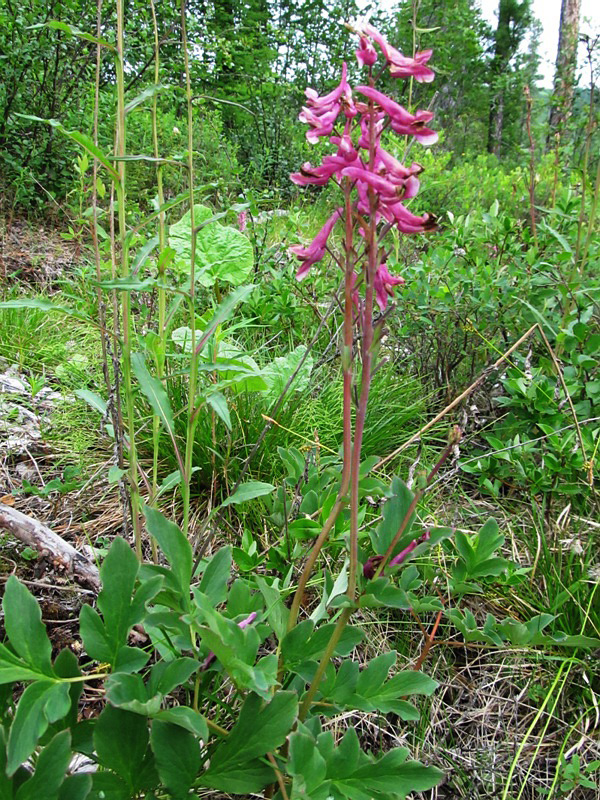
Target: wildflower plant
[[225, 685]]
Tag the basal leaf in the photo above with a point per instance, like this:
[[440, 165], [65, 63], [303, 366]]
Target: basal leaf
[[261, 728], [177, 754], [121, 740], [40, 704], [50, 769], [185, 718], [24, 626], [118, 573], [394, 512], [280, 370]]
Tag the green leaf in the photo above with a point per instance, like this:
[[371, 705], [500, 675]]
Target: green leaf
[[389, 775], [155, 394], [129, 693], [131, 283], [82, 140], [216, 576], [222, 253], [489, 539], [105, 640], [57, 25], [6, 784], [76, 787], [320, 770], [559, 238], [147, 94], [260, 729], [108, 786], [217, 401], [222, 313], [394, 511], [177, 754], [50, 769], [41, 704], [277, 612], [174, 545], [186, 718], [280, 370], [115, 474], [247, 778], [248, 491], [117, 573], [92, 399], [43, 305], [121, 741], [13, 669], [168, 675]]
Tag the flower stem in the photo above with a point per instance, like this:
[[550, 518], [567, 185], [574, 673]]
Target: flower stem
[[325, 659], [192, 418], [126, 296]]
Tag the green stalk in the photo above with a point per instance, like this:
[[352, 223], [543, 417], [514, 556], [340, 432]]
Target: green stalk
[[162, 240], [347, 412], [325, 659], [125, 296], [192, 417]]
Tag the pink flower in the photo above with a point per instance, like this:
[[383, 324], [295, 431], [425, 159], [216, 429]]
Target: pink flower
[[384, 286], [405, 221], [401, 66], [318, 176], [403, 177], [345, 145], [378, 182], [321, 113], [320, 124], [403, 554], [242, 221], [401, 120], [316, 250], [366, 54]]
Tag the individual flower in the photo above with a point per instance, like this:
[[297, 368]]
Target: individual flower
[[242, 222], [405, 221], [384, 285], [366, 55], [401, 120], [378, 182], [405, 178], [316, 250], [318, 176], [321, 113], [401, 66]]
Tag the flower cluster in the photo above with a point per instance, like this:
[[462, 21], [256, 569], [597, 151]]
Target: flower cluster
[[381, 181]]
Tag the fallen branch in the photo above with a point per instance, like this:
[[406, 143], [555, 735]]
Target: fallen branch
[[50, 545]]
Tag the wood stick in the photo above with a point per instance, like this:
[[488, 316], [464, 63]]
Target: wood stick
[[46, 542]]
